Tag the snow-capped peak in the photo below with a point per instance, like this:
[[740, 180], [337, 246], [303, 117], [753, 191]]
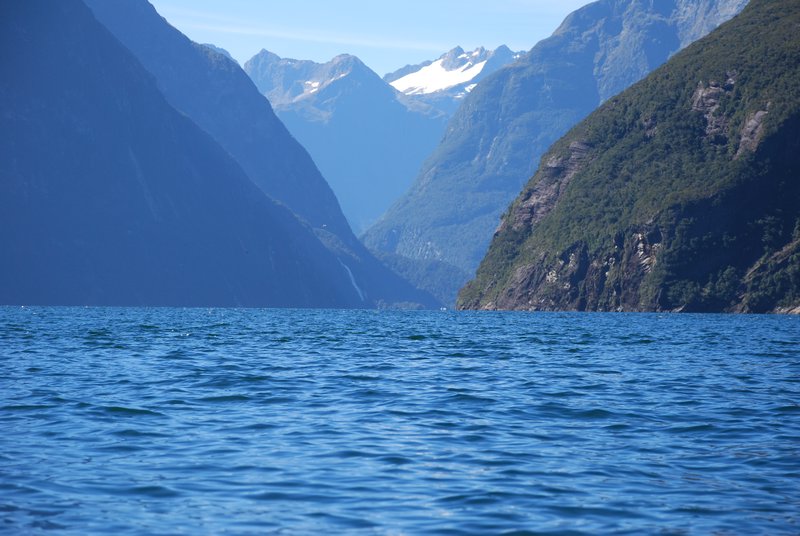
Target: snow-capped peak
[[436, 77], [455, 68]]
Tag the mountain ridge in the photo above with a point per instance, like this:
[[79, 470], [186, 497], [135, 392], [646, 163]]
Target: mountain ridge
[[495, 140]]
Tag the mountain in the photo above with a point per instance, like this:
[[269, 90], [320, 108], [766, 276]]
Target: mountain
[[109, 196], [214, 92], [495, 140], [680, 194], [217, 95], [367, 138], [219, 50], [443, 83]]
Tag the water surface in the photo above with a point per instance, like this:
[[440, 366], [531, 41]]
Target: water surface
[[187, 421]]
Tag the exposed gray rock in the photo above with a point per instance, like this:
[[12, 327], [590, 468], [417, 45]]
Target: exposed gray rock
[[752, 132], [540, 200], [706, 100]]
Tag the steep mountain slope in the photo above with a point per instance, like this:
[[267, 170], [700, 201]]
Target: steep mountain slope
[[682, 193], [495, 140], [217, 95], [108, 195], [367, 139], [214, 92], [443, 83]]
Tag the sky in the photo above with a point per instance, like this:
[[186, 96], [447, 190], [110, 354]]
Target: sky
[[386, 35]]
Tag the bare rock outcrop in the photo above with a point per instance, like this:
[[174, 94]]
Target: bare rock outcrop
[[555, 177], [706, 100], [752, 132]]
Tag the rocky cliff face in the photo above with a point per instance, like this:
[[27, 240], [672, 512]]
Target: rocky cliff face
[[494, 142], [579, 280], [681, 194]]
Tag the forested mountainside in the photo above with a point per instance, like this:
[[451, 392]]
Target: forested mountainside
[[681, 194]]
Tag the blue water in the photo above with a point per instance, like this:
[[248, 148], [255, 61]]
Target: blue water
[[174, 421]]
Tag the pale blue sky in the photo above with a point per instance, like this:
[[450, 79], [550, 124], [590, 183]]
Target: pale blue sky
[[385, 35]]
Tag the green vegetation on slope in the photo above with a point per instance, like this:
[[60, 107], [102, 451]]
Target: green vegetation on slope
[[681, 193]]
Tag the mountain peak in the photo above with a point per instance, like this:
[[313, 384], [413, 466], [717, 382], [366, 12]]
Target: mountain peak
[[452, 53], [286, 81], [348, 59], [347, 64], [266, 54]]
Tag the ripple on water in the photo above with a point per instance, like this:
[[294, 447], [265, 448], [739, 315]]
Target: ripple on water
[[131, 412], [138, 421]]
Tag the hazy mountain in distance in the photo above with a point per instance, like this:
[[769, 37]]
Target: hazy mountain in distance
[[443, 83], [215, 93], [680, 194], [493, 143], [219, 50], [109, 196], [367, 139]]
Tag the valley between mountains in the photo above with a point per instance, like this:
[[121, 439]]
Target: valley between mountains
[[644, 157]]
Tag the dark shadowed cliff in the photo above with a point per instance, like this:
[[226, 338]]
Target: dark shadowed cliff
[[109, 196]]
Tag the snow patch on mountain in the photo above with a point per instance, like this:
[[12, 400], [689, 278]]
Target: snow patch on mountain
[[435, 77], [444, 82]]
